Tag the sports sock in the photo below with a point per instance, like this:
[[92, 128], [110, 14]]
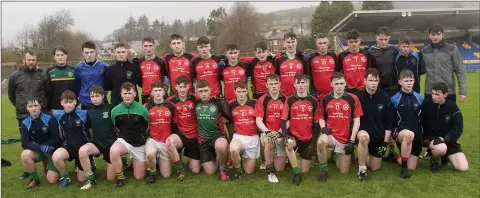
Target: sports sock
[[324, 167], [90, 176], [404, 162], [120, 175], [178, 165], [295, 168], [238, 169], [33, 175], [362, 168], [271, 168], [153, 171], [65, 175], [222, 169]]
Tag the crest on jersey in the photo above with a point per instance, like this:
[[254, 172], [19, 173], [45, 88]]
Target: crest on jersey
[[380, 107], [213, 108], [70, 74], [105, 114], [281, 106], [167, 113], [241, 72], [186, 63], [363, 59], [345, 107], [331, 61], [78, 122], [129, 74], [214, 65], [310, 108], [250, 112], [415, 105], [447, 118], [45, 129], [299, 66]]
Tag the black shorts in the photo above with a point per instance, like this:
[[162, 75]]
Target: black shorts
[[190, 147], [453, 148], [416, 147], [373, 146], [103, 151], [207, 150], [301, 148], [257, 95], [73, 155]]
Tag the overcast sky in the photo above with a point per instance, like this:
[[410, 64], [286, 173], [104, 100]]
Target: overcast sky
[[101, 18]]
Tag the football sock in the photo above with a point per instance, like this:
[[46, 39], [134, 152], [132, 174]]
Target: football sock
[[153, 171], [90, 176], [178, 165], [120, 175], [238, 169], [33, 175], [324, 167], [404, 162], [362, 168]]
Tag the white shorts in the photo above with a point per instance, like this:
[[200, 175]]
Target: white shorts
[[137, 153], [251, 145], [279, 149], [161, 148], [337, 146]]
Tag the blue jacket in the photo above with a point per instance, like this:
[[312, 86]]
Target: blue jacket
[[410, 62], [39, 131], [86, 76], [73, 128], [408, 107]]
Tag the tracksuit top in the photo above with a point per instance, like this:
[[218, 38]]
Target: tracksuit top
[[39, 131], [378, 113], [86, 76], [442, 120], [132, 122], [73, 128], [119, 73], [100, 121], [60, 78], [410, 62], [408, 108]]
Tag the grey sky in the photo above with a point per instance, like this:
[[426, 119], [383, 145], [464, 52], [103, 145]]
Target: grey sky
[[111, 15]]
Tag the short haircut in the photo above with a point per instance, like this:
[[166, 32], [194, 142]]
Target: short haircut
[[321, 35], [157, 84], [120, 45], [176, 37], [406, 73], [405, 40], [181, 79], [68, 95], [337, 75], [128, 86], [96, 89], [231, 47], [301, 76], [440, 86], [30, 52], [89, 45], [273, 77], [353, 34], [383, 30], [148, 39], [32, 99], [59, 48], [203, 40], [289, 35], [372, 71], [241, 84], [202, 84], [435, 28], [261, 45]]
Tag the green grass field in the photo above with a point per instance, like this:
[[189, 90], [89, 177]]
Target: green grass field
[[385, 182]]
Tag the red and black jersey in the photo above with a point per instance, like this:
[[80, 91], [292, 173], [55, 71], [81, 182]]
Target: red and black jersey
[[231, 75], [302, 114], [244, 118], [151, 71], [162, 120], [287, 69], [178, 66], [270, 110], [321, 68], [353, 65], [339, 114], [260, 70], [185, 115], [209, 70]]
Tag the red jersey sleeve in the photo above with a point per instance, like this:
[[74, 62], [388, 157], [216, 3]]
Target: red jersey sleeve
[[259, 111], [358, 107]]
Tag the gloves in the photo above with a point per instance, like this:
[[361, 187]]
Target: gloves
[[46, 148], [219, 97], [306, 57], [326, 131], [382, 149], [349, 147], [272, 136], [221, 63], [438, 140]]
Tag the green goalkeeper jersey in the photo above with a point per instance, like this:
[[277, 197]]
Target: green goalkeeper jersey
[[210, 119]]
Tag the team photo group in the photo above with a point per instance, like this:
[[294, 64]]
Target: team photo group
[[290, 110]]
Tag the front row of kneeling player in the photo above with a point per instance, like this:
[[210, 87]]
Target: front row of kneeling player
[[299, 124]]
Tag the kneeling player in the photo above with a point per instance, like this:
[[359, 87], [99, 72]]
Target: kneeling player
[[408, 130], [245, 141], [209, 113], [375, 124], [187, 135], [339, 118], [73, 127], [103, 134], [131, 120], [443, 126], [268, 112], [161, 114], [299, 126], [39, 136]]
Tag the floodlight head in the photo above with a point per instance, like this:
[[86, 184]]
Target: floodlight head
[[404, 14]]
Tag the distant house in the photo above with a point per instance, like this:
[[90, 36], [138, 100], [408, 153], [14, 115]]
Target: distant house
[[275, 39]]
